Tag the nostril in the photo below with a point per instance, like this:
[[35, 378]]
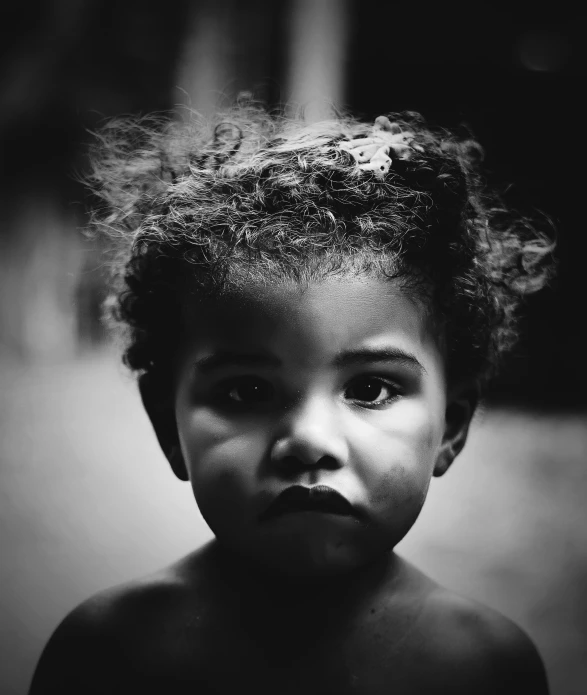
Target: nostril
[[291, 462], [328, 462], [309, 451]]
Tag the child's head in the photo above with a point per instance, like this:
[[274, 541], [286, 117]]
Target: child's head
[[311, 306]]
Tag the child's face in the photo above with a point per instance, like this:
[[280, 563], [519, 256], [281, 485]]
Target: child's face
[[338, 384]]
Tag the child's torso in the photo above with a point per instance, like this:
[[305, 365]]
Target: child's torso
[[218, 641], [280, 653]]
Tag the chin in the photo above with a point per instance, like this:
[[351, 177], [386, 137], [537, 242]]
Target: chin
[[311, 555], [309, 546]]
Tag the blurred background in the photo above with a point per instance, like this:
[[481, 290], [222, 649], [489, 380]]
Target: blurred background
[[85, 497]]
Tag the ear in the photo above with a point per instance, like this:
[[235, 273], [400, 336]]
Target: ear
[[161, 413], [460, 408]]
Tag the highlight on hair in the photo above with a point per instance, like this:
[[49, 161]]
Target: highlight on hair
[[195, 208]]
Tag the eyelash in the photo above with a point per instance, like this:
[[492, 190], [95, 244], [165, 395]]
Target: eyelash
[[393, 389], [224, 389], [267, 391]]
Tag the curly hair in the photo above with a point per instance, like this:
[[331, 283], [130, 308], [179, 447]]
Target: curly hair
[[198, 207]]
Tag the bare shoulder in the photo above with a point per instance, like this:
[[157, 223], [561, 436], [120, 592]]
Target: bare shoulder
[[483, 647], [99, 640]]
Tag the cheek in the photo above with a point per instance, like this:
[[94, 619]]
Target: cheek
[[399, 490], [419, 422], [397, 501], [397, 457], [419, 433], [222, 458], [409, 434]]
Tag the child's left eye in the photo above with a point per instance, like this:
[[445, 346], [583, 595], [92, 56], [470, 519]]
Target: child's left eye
[[370, 389]]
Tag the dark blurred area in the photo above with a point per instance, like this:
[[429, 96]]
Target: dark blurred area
[[511, 72]]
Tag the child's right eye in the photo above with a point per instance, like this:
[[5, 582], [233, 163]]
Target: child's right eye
[[247, 390]]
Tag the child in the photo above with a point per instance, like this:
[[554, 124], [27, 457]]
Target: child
[[312, 310]]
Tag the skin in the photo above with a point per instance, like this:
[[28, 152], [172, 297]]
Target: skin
[[246, 433], [307, 601]]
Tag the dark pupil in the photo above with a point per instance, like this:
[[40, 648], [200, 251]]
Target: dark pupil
[[365, 390], [253, 391]]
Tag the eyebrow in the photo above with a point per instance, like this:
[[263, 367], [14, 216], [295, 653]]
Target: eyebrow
[[225, 358], [351, 358], [348, 358]]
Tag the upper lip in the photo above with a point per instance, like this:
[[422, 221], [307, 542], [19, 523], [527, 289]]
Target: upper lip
[[319, 498]]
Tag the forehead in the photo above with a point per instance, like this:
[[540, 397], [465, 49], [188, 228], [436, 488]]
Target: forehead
[[313, 320]]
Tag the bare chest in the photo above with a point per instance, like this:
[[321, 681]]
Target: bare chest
[[215, 651]]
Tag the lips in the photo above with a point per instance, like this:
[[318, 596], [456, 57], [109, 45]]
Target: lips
[[320, 498]]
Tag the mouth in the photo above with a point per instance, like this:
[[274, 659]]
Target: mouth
[[320, 498]]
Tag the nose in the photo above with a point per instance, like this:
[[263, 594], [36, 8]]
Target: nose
[[311, 436]]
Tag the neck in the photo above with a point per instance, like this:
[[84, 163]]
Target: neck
[[271, 586]]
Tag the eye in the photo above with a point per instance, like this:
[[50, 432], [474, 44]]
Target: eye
[[247, 390], [372, 390]]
